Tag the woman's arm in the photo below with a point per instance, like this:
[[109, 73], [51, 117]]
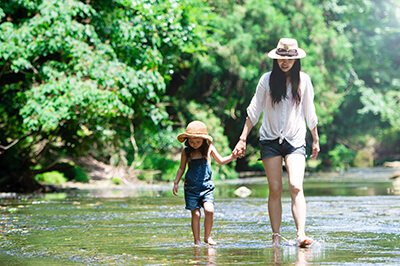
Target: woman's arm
[[254, 111], [240, 148], [218, 158], [181, 171], [315, 145]]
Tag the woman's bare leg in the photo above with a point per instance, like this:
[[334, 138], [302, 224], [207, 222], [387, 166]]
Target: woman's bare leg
[[196, 215], [273, 170], [208, 222], [295, 165]]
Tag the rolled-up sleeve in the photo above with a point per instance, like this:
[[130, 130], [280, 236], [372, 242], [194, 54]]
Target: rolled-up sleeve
[[257, 103], [308, 103]]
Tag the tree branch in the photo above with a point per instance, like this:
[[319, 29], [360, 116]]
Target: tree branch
[[9, 146]]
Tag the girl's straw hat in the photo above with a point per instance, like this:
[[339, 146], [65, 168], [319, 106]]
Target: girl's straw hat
[[195, 129], [287, 49]]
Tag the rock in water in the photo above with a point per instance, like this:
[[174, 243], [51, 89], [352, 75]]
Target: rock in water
[[242, 192]]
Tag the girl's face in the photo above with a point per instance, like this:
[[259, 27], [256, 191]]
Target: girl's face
[[195, 143], [286, 64]]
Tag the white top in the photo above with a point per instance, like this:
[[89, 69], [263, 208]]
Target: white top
[[284, 120]]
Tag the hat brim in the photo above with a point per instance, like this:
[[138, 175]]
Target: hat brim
[[183, 136], [301, 54]]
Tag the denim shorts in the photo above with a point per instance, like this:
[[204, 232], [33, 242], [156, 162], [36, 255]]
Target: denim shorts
[[195, 201], [272, 148]]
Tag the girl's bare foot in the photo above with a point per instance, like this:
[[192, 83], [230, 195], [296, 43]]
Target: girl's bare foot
[[197, 243], [276, 239], [304, 241], [210, 241]]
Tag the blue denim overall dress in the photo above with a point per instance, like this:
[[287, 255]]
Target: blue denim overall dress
[[198, 185]]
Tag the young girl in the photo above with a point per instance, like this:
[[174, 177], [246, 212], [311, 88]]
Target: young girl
[[198, 185]]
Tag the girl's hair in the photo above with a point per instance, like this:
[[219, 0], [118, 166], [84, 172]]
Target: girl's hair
[[203, 149], [277, 82]]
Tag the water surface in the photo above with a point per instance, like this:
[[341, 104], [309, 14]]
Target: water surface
[[354, 220]]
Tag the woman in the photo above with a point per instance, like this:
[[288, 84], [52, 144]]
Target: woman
[[285, 95]]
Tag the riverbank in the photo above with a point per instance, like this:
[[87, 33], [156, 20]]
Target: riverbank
[[371, 174]]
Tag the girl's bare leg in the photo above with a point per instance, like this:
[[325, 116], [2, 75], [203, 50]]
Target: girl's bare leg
[[208, 222], [273, 170], [295, 164], [196, 215]]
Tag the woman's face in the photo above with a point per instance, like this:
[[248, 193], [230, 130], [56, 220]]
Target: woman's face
[[286, 64], [195, 143]]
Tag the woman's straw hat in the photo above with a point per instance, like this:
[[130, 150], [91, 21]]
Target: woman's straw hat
[[195, 129], [287, 49]]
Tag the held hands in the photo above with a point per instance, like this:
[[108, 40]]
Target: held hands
[[240, 149]]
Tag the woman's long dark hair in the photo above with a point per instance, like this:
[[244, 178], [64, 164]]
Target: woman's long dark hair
[[203, 149], [277, 82]]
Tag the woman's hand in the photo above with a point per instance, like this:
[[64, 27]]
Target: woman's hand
[[315, 145], [240, 149], [315, 149], [175, 189]]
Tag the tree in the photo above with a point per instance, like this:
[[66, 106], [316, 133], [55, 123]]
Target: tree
[[227, 76], [80, 75], [370, 110]]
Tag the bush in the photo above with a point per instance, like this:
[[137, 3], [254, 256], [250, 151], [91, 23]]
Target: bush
[[341, 156], [72, 172], [159, 168], [53, 177], [364, 158], [80, 175], [116, 180]]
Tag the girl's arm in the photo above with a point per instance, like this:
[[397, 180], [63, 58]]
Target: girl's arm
[[221, 160], [180, 172]]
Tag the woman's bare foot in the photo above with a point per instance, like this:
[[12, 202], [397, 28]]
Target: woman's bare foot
[[304, 241], [276, 239], [210, 241], [197, 243]]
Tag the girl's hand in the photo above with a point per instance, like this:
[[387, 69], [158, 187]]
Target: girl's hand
[[240, 149], [175, 189]]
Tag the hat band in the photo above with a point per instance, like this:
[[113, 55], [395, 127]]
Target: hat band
[[284, 52], [196, 133]]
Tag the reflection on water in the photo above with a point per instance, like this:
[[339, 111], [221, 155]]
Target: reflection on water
[[207, 258], [352, 222], [274, 256]]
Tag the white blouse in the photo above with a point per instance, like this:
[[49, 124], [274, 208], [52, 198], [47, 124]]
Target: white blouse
[[284, 120]]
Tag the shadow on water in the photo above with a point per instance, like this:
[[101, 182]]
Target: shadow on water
[[354, 220]]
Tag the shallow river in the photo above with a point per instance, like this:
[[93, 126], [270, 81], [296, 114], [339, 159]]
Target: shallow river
[[354, 220]]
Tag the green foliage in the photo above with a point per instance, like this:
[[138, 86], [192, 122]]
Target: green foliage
[[75, 75], [226, 77], [364, 158], [116, 180], [386, 105], [158, 167], [118, 80], [53, 177], [372, 105], [80, 175], [341, 157]]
